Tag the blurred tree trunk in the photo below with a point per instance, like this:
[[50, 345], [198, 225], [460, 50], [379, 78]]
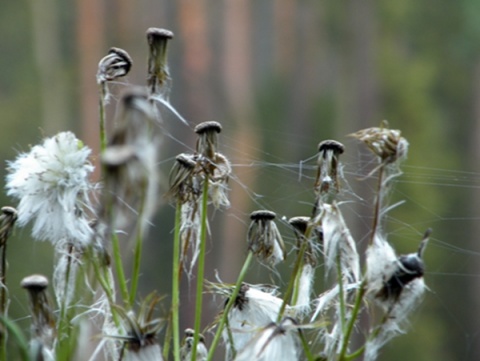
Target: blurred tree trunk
[[51, 65], [90, 49], [475, 202], [196, 57], [238, 73]]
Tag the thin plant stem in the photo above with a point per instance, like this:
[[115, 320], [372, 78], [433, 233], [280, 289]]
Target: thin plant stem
[[341, 293], [176, 276], [291, 284], [201, 268], [3, 300], [306, 349], [117, 260], [101, 103], [363, 285], [168, 337], [138, 251], [229, 305]]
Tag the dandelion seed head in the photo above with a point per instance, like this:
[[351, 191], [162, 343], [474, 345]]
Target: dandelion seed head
[[51, 182], [158, 78], [207, 142], [273, 342], [254, 308]]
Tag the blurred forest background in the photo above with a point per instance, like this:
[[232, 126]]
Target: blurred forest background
[[280, 76]]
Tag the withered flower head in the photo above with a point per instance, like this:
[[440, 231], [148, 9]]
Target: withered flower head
[[326, 184], [264, 239], [158, 79], [181, 180], [43, 321], [387, 144], [117, 63], [207, 142], [300, 226]]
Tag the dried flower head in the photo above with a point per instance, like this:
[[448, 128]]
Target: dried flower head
[[182, 183], [186, 350], [158, 79], [51, 182], [326, 183], [388, 144], [264, 239], [273, 342], [300, 227], [207, 142], [43, 320], [117, 63]]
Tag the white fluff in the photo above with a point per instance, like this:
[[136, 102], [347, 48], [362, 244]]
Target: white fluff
[[51, 182]]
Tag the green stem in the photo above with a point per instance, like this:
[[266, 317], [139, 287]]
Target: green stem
[[292, 283], [103, 135], [341, 293], [63, 323], [356, 309], [137, 257], [117, 260], [304, 342], [229, 306], [201, 268], [176, 276], [3, 301]]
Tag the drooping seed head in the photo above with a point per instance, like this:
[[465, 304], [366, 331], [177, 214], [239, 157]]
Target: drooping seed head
[[8, 217], [264, 239], [117, 63], [299, 224], [181, 179]]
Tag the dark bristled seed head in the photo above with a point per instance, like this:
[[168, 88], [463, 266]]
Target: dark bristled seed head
[[35, 283], [210, 126], [325, 145], [299, 223], [262, 215], [124, 56], [241, 299]]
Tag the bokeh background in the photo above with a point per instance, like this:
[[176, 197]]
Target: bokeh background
[[280, 76]]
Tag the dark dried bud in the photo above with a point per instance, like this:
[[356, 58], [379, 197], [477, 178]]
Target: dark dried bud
[[117, 63]]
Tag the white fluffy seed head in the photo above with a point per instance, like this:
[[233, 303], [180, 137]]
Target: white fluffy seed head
[[254, 309], [51, 182], [273, 342]]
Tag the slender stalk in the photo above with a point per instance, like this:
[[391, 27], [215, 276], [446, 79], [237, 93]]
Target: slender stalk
[[176, 276], [101, 103], [117, 260], [341, 293], [378, 205], [168, 337], [229, 305], [137, 257], [291, 284], [201, 268], [306, 349], [350, 326], [3, 301]]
